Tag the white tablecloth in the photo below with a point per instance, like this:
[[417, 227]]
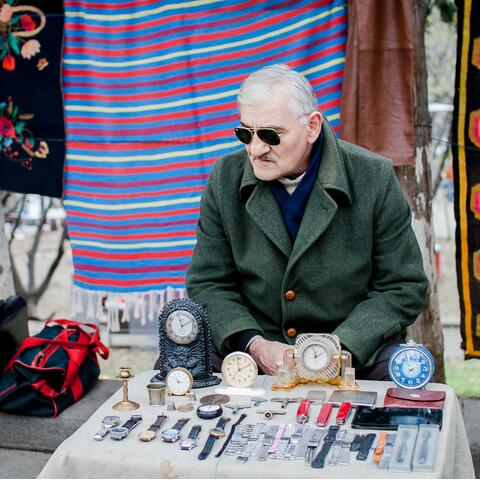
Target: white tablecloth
[[80, 456]]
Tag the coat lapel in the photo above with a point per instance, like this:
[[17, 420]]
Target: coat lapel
[[264, 210], [321, 208]]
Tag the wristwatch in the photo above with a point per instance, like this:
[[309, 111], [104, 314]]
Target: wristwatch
[[215, 433], [118, 433], [108, 423], [172, 435], [230, 435], [151, 433], [190, 442], [207, 411], [319, 460]]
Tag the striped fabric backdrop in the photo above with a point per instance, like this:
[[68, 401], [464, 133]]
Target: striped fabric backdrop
[[150, 101]]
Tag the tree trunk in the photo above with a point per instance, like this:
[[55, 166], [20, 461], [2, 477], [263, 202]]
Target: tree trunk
[[417, 184], [6, 278]]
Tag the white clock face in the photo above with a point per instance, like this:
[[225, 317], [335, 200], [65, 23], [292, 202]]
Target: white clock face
[[315, 357], [179, 381], [181, 327], [209, 408], [239, 370]]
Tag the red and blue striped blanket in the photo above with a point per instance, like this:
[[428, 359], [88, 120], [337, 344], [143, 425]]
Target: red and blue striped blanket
[[150, 103]]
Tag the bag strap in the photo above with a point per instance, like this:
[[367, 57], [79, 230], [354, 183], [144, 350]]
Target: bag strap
[[86, 341]]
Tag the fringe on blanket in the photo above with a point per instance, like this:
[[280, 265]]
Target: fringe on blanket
[[113, 308]]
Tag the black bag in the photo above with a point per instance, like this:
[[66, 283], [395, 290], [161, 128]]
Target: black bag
[[52, 370]]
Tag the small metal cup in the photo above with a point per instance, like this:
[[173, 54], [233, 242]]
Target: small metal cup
[[156, 394]]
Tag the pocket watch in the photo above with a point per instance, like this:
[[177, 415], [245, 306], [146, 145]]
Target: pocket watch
[[411, 365], [207, 411], [179, 381], [239, 370]]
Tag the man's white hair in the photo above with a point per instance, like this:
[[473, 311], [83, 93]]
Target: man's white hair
[[256, 88]]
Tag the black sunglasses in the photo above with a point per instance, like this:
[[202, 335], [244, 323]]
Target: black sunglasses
[[270, 136]]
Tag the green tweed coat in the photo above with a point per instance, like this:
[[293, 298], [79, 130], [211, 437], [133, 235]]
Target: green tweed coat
[[355, 265]]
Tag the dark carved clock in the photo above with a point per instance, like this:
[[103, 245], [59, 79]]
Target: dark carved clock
[[184, 341]]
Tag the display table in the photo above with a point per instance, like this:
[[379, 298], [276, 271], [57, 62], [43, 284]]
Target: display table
[[80, 456]]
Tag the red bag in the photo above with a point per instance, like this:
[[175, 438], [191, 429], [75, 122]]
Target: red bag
[[400, 397], [52, 370]]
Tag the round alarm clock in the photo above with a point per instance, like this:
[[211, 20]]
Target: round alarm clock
[[411, 365], [179, 381], [239, 370]]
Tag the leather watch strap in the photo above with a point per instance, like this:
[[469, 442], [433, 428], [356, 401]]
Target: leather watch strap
[[319, 460], [132, 422], [154, 427], [195, 430], [230, 435], [222, 422], [180, 424], [380, 446], [207, 448]]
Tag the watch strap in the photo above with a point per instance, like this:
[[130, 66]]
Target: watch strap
[[319, 460], [222, 422], [180, 423], [132, 422], [155, 427], [365, 446], [195, 430], [230, 435], [207, 448]]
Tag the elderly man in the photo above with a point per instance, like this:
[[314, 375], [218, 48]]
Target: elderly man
[[301, 233]]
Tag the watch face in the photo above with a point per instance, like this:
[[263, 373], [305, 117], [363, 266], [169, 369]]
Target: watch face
[[188, 444], [118, 433], [315, 357], [239, 370], [170, 435], [217, 432], [181, 327], [111, 420], [411, 367], [209, 410], [147, 436], [179, 381]]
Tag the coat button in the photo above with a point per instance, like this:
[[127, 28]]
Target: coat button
[[290, 295], [291, 332]]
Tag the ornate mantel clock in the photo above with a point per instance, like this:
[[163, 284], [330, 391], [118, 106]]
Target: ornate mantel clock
[[184, 341]]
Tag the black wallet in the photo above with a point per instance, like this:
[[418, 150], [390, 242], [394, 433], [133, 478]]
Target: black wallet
[[389, 418]]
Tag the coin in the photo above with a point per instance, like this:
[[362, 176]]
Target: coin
[[215, 398]]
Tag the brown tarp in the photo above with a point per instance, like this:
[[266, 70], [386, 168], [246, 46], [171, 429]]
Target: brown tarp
[[377, 96]]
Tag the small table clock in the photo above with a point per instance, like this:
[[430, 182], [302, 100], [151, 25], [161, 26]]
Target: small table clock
[[240, 372], [317, 358], [411, 366], [184, 341]]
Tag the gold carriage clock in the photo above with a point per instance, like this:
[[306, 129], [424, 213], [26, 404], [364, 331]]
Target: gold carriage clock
[[316, 358]]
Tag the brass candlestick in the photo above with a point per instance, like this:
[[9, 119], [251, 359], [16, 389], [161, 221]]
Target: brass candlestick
[[125, 405]]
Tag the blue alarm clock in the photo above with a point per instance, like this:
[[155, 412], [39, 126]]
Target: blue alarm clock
[[411, 365]]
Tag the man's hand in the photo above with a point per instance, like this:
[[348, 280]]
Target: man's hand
[[267, 354]]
